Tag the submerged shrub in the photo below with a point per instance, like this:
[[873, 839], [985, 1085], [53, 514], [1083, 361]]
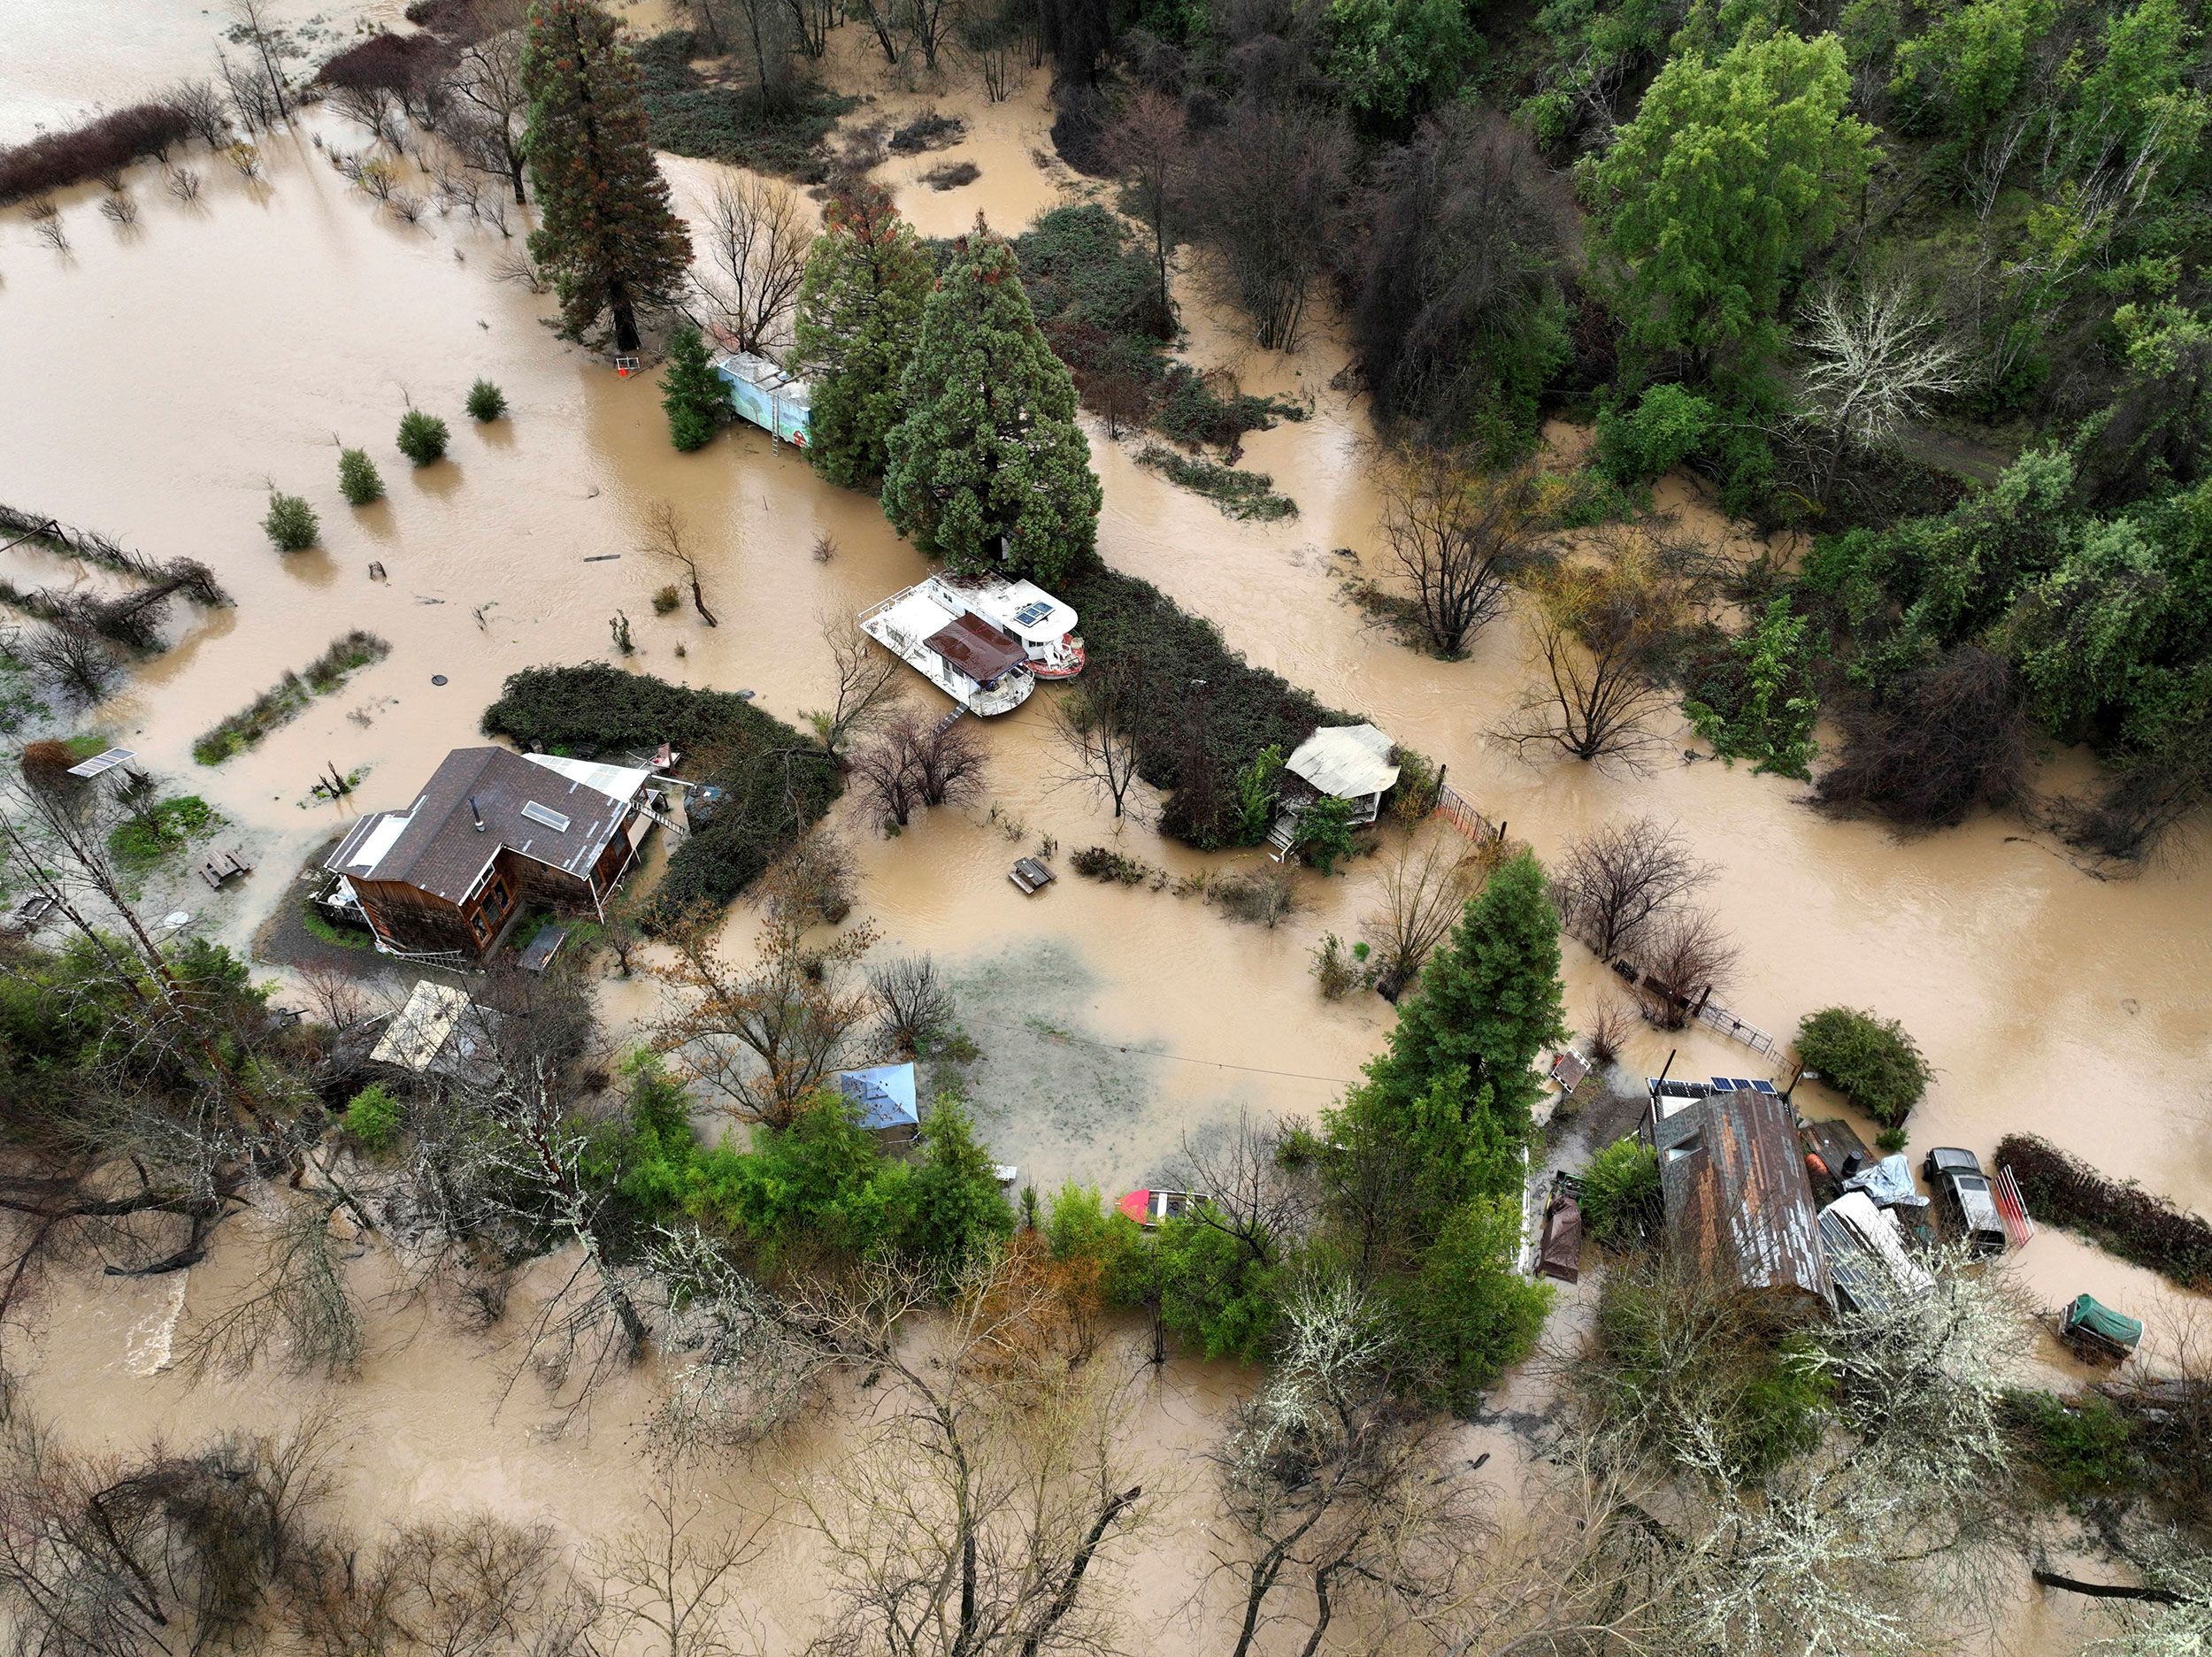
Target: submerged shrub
[[1620, 1194], [422, 437], [358, 479], [487, 401], [1871, 1060], [291, 523]]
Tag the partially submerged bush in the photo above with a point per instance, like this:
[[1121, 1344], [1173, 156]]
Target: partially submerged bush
[[487, 401], [98, 147], [373, 1118], [1868, 1059], [1102, 863], [422, 437], [1262, 896], [2132, 1223], [1935, 745], [291, 523], [358, 479]]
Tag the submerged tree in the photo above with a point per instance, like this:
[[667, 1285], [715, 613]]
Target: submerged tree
[[606, 236], [859, 307], [691, 393], [989, 469], [1456, 537]]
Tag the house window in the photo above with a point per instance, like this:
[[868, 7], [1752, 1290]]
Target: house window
[[494, 901]]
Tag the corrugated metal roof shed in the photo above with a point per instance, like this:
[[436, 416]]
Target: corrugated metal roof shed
[[413, 1038], [1736, 1196], [885, 1093], [1348, 761]]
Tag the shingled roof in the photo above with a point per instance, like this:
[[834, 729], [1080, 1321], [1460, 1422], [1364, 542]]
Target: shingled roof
[[1736, 1196], [473, 805]]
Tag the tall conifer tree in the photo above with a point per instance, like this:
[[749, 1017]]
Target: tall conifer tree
[[606, 235], [860, 307], [989, 469]]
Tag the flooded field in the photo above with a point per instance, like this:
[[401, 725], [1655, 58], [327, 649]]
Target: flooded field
[[163, 376]]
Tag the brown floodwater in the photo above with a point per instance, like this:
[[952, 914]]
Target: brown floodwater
[[162, 377]]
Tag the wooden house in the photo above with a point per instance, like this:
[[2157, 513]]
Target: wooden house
[[492, 833]]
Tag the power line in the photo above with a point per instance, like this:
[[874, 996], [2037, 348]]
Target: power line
[[1154, 1053]]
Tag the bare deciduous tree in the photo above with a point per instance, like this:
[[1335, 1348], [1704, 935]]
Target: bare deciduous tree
[[1457, 536], [1690, 956], [1597, 625], [914, 1004], [201, 107], [256, 20], [1336, 1487], [670, 1577], [750, 1362], [757, 239], [67, 656], [666, 538], [297, 1307], [1424, 888], [1149, 147], [868, 685], [812, 881], [763, 1035], [1878, 358], [1095, 722], [1615, 883], [487, 82], [908, 764], [1265, 190]]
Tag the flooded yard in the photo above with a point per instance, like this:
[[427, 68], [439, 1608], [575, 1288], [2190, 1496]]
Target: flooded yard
[[163, 376]]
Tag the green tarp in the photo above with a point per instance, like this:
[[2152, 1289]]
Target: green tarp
[[2088, 1313]]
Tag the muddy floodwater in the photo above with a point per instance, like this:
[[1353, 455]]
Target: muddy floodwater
[[160, 378]]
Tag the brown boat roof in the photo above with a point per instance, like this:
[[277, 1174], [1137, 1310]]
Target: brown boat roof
[[977, 649], [442, 851], [1736, 1196]]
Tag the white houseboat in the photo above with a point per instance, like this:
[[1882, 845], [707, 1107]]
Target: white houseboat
[[936, 630]]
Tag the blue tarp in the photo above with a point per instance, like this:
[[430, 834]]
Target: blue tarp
[[885, 1093]]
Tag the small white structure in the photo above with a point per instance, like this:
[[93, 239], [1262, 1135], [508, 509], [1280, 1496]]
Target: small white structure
[[421, 1037], [934, 629], [1347, 762]]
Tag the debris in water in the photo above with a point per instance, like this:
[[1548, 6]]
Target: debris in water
[[437, 679], [600, 557]]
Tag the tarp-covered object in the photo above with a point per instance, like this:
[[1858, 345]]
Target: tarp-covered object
[[1889, 1182], [2087, 1314], [1560, 1256]]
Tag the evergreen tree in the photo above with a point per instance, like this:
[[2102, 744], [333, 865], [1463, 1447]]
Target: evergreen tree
[[957, 1206], [989, 465], [1443, 1113], [606, 235], [358, 479], [860, 306], [691, 392]]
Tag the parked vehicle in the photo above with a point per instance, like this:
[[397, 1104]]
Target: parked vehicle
[[2097, 1333], [1964, 1199], [1148, 1208]]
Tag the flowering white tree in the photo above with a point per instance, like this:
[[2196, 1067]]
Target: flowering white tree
[[1878, 358]]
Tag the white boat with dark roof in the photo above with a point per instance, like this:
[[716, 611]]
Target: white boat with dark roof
[[983, 643]]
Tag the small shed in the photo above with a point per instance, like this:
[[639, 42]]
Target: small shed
[[1737, 1197], [1347, 762], [764, 394], [439, 1031], [886, 1095]]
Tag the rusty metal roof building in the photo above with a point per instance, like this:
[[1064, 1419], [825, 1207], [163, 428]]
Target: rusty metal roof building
[[1737, 1195]]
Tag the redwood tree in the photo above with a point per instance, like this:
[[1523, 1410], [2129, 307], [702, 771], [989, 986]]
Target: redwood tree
[[606, 234]]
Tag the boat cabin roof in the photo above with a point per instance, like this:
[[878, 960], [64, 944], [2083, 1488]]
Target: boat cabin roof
[[977, 649], [1026, 610]]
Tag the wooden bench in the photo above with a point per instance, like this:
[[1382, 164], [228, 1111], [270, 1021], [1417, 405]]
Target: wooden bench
[[221, 867]]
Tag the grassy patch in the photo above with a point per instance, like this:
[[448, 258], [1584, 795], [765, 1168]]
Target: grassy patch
[[776, 783], [1245, 495], [288, 697], [315, 921], [166, 829], [691, 115]]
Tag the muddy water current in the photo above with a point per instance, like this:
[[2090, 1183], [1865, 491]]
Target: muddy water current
[[160, 378]]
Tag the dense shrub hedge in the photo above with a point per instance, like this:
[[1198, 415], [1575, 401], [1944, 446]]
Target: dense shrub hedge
[[2121, 1216], [1871, 1060], [690, 115], [113, 142], [1205, 716], [776, 782], [403, 63]]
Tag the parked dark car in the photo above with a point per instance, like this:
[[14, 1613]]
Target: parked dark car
[[1964, 1198]]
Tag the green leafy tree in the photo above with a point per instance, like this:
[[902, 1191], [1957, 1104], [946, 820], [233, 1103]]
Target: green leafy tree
[[373, 1117], [422, 437], [1733, 171], [1963, 71], [1216, 1290], [291, 524], [358, 479], [1324, 832], [989, 467], [860, 307], [957, 1206], [1770, 705], [487, 401], [1079, 1226], [1397, 58], [606, 234], [1469, 1310], [1869, 1059], [691, 392]]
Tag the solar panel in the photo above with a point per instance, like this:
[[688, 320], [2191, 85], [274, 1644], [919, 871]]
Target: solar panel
[[1722, 1085], [1765, 1088], [551, 818], [1030, 614], [106, 762]]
